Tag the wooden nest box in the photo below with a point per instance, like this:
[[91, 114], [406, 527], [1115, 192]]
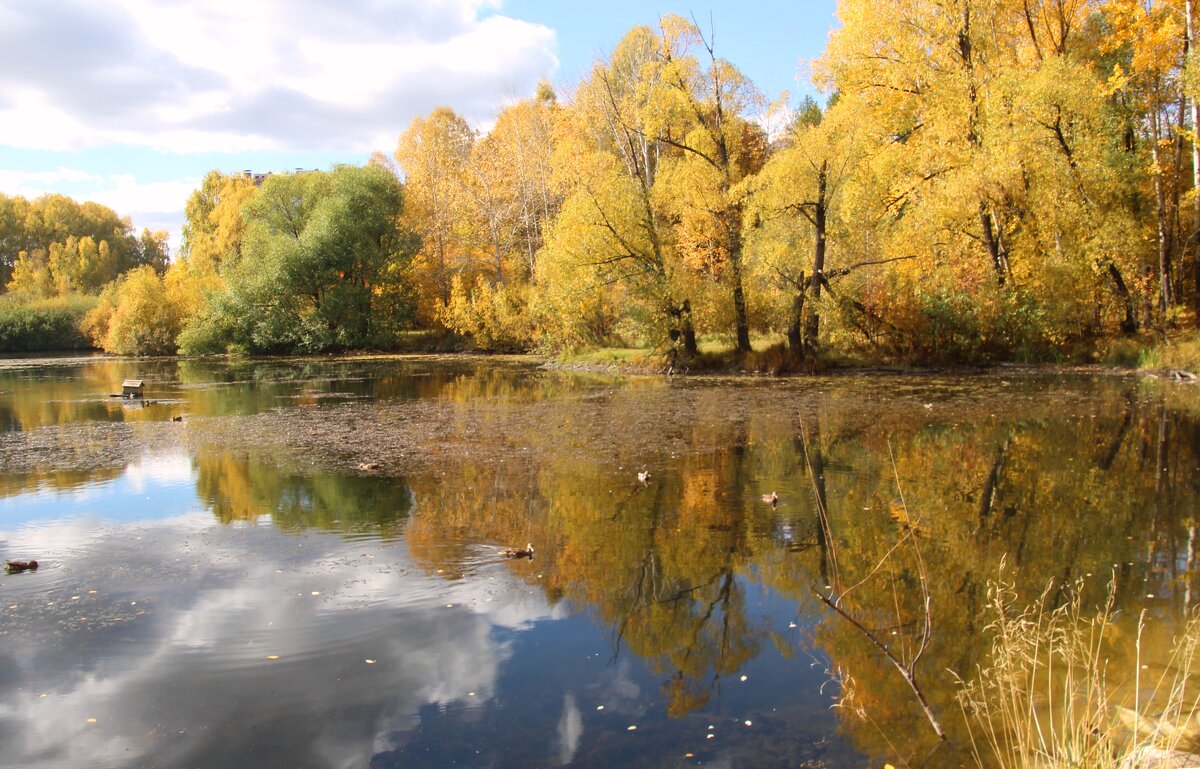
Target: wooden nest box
[[133, 388]]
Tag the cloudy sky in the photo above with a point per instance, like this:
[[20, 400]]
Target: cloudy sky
[[131, 102]]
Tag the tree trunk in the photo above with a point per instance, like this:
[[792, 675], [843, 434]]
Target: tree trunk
[[682, 332], [795, 330], [812, 324], [1129, 325], [1165, 245], [991, 239], [1195, 110], [689, 331], [741, 316]]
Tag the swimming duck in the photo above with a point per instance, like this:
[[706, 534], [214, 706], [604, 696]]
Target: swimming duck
[[771, 499], [369, 466], [519, 552], [15, 567]]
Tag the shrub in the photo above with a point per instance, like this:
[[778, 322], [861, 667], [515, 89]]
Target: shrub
[[44, 325], [495, 316], [134, 316]]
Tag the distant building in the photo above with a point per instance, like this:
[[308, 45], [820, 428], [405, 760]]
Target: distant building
[[259, 178]]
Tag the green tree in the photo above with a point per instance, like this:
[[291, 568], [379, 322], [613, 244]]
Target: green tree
[[321, 268]]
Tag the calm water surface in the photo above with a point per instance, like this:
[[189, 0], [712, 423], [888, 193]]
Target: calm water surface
[[305, 569]]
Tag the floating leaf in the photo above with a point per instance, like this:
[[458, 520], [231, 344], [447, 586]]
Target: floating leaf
[[273, 657]]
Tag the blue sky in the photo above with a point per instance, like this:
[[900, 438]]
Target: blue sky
[[131, 102]]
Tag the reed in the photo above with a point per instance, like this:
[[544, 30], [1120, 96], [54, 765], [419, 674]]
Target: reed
[[1047, 699]]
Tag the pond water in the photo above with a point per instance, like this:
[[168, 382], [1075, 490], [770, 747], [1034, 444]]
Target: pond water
[[297, 563]]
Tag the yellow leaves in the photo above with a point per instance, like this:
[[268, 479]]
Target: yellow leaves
[[1153, 31]]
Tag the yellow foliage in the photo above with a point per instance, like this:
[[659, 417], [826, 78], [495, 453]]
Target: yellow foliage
[[495, 317], [135, 316]]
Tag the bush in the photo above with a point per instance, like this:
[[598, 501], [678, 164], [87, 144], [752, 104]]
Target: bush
[[134, 316], [46, 325], [496, 317]]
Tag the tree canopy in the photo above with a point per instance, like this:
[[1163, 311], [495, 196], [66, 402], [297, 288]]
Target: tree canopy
[[983, 180]]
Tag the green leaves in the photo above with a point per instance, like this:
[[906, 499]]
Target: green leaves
[[319, 248]]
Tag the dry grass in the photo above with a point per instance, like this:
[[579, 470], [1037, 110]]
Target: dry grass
[[1179, 353], [1046, 698]]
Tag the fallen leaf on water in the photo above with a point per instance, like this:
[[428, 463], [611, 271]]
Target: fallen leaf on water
[[91, 720], [631, 728], [273, 657], [749, 723], [369, 662]]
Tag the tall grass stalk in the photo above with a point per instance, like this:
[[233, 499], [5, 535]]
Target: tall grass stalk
[[1046, 698]]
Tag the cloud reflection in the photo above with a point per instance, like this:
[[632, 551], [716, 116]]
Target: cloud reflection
[[189, 681], [570, 730]]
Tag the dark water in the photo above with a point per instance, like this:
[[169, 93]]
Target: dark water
[[305, 570]]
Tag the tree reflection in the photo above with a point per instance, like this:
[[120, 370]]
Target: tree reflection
[[1060, 496], [244, 489], [1061, 483]]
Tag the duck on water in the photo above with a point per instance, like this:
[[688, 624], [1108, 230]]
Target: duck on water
[[519, 552]]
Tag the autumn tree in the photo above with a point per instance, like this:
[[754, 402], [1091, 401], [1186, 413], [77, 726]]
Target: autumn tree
[[998, 160], [433, 154], [54, 245], [703, 110], [796, 206], [135, 316], [612, 245]]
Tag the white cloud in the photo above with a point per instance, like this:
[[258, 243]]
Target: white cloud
[[39, 181], [125, 194], [239, 76]]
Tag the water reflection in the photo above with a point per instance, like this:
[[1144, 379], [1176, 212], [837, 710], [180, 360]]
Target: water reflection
[[673, 605]]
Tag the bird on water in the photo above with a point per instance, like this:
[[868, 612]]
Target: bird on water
[[519, 552], [15, 567]]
